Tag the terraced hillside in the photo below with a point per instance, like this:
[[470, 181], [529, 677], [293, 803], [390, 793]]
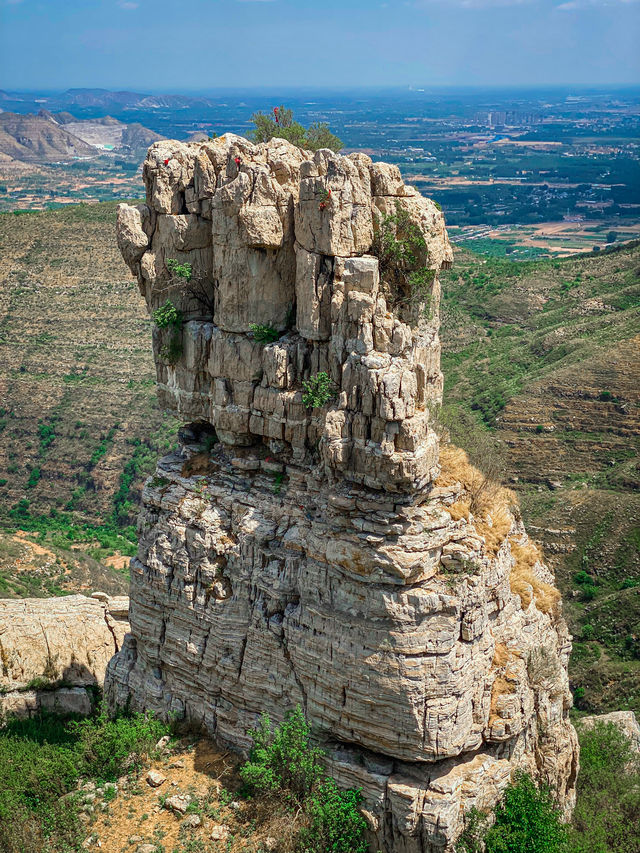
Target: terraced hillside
[[79, 425], [545, 358]]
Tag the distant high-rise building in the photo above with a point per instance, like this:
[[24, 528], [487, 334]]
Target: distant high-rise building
[[509, 118]]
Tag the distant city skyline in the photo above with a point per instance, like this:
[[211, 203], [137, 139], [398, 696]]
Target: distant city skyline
[[197, 45]]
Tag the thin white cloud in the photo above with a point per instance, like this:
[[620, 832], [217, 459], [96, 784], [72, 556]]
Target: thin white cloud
[[472, 4], [127, 4], [567, 5], [577, 5]]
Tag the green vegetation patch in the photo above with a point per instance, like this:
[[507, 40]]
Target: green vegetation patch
[[285, 769], [281, 125], [605, 820], [317, 391], [41, 761]]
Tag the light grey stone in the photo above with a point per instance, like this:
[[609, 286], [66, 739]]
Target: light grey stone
[[313, 558]]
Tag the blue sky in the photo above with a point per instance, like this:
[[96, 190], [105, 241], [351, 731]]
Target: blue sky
[[188, 45]]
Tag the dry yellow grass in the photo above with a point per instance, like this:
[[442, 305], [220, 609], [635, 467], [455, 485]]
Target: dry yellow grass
[[458, 510], [505, 682], [489, 501], [524, 582], [492, 507], [500, 687]]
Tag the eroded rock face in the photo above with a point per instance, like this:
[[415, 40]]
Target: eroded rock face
[[312, 555], [51, 649]]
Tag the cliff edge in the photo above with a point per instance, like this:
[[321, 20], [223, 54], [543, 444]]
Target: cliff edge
[[310, 543]]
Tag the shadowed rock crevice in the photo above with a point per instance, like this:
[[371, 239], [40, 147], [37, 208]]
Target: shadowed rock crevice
[[321, 554]]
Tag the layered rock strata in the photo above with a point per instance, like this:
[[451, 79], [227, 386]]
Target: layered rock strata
[[292, 554]]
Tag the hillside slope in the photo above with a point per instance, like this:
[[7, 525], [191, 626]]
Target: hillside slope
[[547, 354], [49, 138], [36, 139], [79, 423]]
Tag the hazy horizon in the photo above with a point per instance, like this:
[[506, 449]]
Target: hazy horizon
[[223, 45], [444, 88]]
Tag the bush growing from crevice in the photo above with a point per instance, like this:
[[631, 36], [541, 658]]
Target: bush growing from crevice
[[318, 390], [184, 271], [194, 287], [263, 334], [168, 317], [402, 254]]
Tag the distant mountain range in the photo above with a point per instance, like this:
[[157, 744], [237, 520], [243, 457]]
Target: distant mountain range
[[48, 137], [100, 99]]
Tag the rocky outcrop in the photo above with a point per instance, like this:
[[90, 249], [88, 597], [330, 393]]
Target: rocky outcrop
[[52, 649], [329, 555], [625, 720]]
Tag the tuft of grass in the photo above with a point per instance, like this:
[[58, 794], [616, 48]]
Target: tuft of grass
[[525, 583]]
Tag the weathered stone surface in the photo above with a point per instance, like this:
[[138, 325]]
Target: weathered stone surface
[[61, 700], [625, 720], [70, 639], [155, 778], [310, 557], [132, 227], [178, 803], [44, 642]]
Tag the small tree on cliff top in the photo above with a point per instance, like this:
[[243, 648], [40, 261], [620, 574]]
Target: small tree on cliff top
[[281, 125]]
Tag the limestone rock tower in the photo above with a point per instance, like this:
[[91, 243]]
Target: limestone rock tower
[[328, 555]]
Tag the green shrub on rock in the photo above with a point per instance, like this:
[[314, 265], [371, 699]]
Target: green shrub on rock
[[263, 334], [168, 315], [285, 768], [282, 760], [184, 271], [336, 823], [318, 390], [281, 125], [402, 254]]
